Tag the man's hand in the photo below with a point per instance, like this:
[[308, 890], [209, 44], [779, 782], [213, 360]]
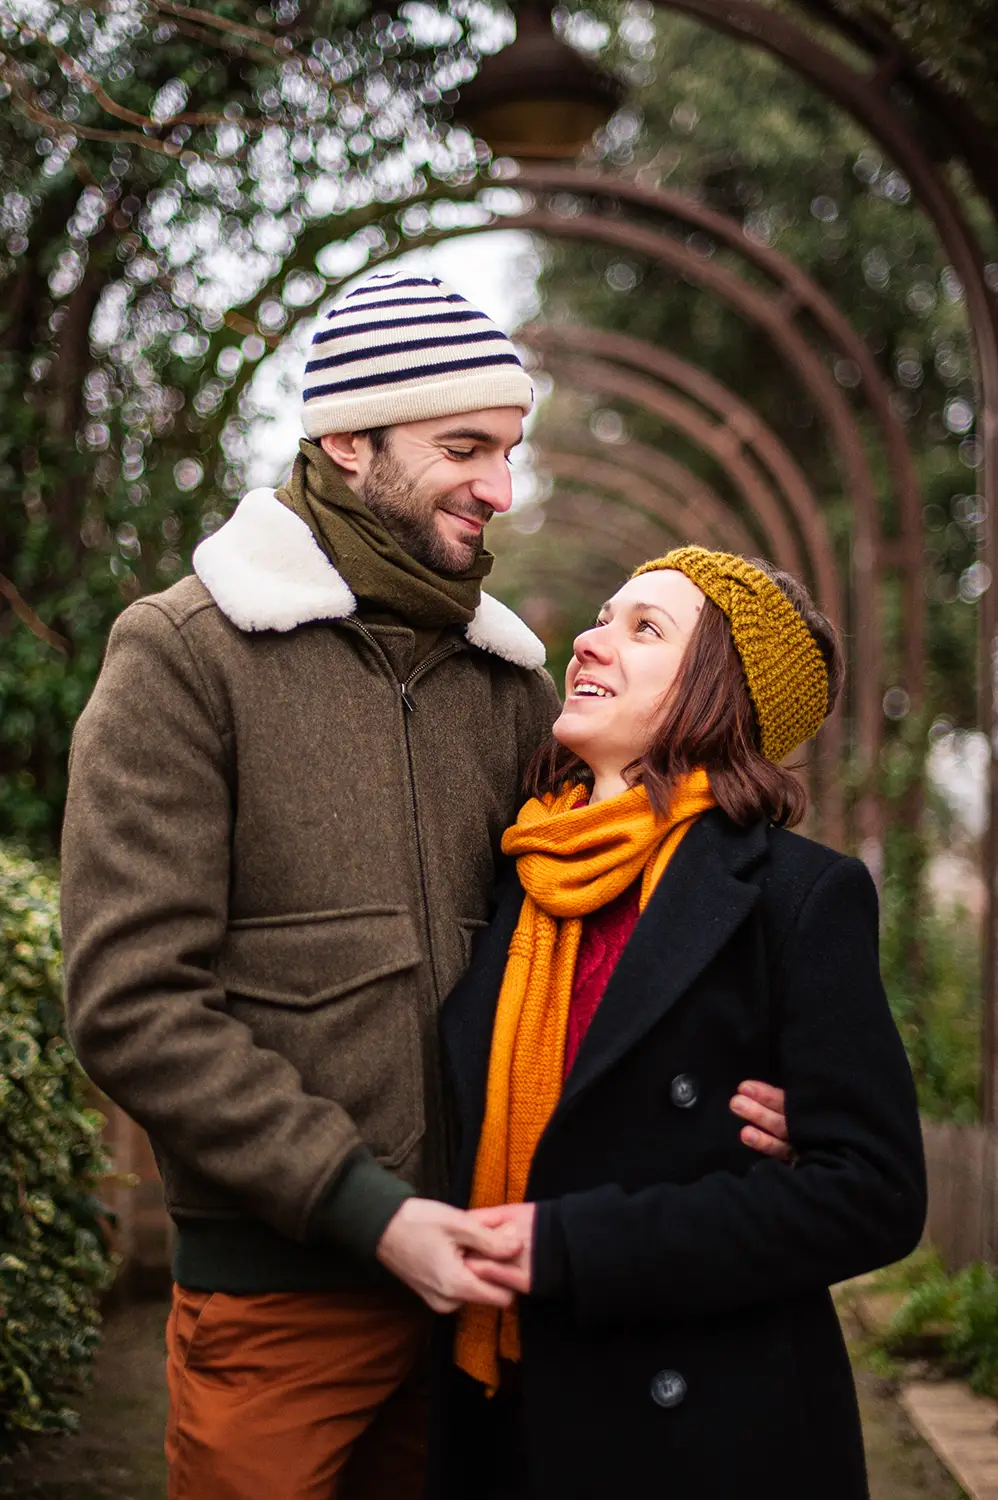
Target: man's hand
[[515, 1273], [428, 1244], [764, 1107]]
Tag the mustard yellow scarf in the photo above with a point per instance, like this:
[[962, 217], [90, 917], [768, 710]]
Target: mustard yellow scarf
[[571, 861]]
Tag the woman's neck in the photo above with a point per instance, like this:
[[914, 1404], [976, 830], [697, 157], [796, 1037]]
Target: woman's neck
[[607, 784]]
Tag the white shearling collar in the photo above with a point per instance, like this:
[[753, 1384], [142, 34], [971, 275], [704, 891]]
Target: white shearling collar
[[265, 571]]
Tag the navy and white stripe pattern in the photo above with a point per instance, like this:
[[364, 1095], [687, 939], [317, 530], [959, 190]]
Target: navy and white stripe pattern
[[401, 348]]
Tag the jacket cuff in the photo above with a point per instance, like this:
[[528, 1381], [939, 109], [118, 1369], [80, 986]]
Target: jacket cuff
[[356, 1210], [549, 1271]]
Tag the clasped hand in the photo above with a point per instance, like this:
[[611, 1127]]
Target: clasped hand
[[450, 1257]]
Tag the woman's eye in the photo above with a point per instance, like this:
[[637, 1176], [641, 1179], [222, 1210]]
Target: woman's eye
[[646, 625]]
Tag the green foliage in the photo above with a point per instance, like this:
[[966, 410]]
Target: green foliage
[[54, 1259], [960, 1310], [954, 40], [732, 128], [936, 1002], [166, 186], [175, 202]]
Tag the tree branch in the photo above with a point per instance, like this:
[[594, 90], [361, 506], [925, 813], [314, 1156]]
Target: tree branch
[[34, 622], [278, 45], [27, 103], [77, 73]]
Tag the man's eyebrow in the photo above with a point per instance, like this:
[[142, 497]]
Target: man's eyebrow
[[473, 435]]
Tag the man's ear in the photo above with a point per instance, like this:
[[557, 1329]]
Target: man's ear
[[344, 448]]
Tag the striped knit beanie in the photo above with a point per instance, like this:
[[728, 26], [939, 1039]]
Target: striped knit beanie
[[785, 671], [400, 348]]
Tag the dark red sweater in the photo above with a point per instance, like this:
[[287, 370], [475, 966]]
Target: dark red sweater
[[604, 935]]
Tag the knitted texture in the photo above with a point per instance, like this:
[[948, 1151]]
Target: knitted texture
[[401, 348], [605, 935], [571, 860], [785, 671]]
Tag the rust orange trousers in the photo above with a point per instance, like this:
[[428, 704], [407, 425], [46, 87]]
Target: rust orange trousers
[[312, 1396]]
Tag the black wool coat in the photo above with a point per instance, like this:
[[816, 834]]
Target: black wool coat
[[681, 1340]]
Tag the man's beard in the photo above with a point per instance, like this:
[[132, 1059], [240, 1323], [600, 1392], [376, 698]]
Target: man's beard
[[410, 516]]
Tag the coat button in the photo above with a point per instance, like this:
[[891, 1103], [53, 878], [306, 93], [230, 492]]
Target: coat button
[[668, 1388], [684, 1090]]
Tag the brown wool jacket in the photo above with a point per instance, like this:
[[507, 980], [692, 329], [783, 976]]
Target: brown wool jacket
[[278, 843]]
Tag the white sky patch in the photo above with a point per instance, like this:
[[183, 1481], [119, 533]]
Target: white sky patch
[[958, 768], [497, 271]]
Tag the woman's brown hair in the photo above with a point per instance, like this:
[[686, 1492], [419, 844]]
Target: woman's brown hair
[[708, 720]]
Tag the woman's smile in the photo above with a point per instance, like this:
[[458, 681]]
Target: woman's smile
[[588, 687], [621, 671]]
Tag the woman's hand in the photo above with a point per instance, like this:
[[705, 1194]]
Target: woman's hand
[[764, 1109], [516, 1273], [439, 1252]]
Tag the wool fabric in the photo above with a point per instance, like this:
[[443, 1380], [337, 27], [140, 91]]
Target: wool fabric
[[571, 861], [605, 935], [402, 348], [785, 671]]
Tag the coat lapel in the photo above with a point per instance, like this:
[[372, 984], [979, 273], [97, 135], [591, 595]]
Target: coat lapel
[[700, 902]]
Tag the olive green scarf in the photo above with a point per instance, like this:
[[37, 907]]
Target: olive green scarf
[[391, 588]]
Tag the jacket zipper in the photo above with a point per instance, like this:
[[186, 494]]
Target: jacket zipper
[[417, 672], [414, 676], [436, 1170]]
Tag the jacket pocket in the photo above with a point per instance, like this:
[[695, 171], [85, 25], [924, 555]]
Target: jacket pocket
[[335, 993], [469, 928]]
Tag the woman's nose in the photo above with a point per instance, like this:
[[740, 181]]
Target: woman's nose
[[592, 645]]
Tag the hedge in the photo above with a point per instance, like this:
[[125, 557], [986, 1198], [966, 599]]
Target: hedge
[[54, 1258]]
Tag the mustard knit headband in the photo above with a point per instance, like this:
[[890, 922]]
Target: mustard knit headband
[[784, 669]]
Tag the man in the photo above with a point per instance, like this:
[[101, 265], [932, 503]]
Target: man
[[286, 799]]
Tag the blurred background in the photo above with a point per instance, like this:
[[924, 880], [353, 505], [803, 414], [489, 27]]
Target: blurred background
[[750, 254]]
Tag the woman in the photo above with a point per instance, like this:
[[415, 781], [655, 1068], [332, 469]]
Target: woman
[[667, 936]]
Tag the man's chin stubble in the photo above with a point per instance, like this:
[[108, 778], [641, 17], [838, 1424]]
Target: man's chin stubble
[[389, 496], [457, 557], [442, 556]]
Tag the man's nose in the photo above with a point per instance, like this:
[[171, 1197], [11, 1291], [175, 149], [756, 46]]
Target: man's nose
[[493, 486]]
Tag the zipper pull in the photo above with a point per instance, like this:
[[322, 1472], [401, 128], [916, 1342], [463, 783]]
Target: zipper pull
[[406, 699]]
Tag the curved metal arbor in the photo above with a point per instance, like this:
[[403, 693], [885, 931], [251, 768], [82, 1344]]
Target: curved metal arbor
[[867, 97], [676, 479], [796, 293], [672, 495], [761, 469]]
